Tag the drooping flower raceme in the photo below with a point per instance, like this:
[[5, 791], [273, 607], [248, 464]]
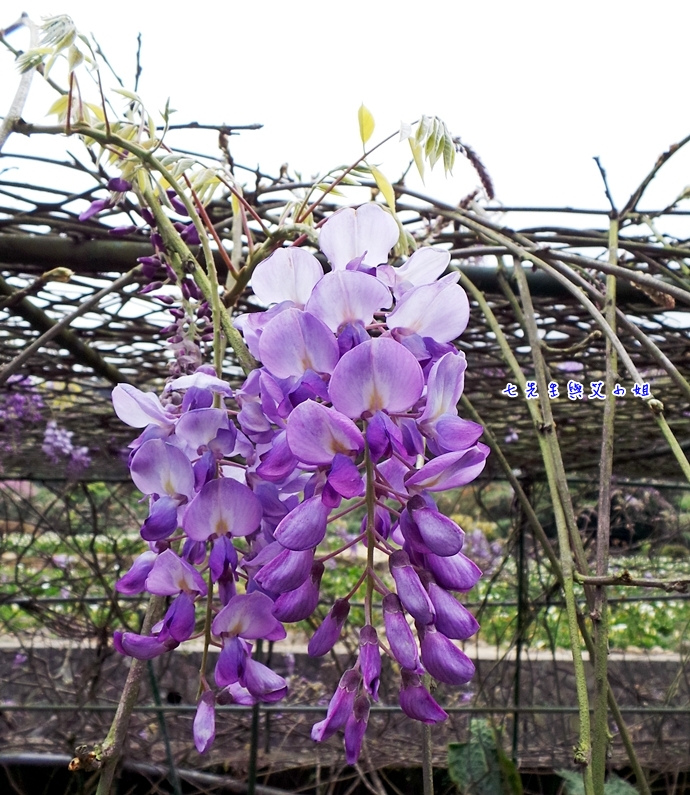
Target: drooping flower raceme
[[355, 400]]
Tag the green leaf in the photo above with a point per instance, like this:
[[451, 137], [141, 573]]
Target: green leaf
[[617, 786], [574, 784], [366, 123], [423, 130], [385, 187], [448, 152], [477, 767], [128, 94], [418, 155]]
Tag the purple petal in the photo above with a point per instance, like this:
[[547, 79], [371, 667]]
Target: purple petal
[[180, 618], [439, 310], [316, 433], [377, 375], [440, 534], [450, 470], [383, 436], [370, 660], [416, 702], [250, 616], [344, 477], [451, 433], [455, 573], [231, 662], [262, 682], [452, 619], [443, 660], [135, 579], [170, 575], [223, 507], [161, 468], [305, 526], [287, 571], [400, 637], [204, 729], [197, 428], [355, 729], [119, 185], [339, 707], [299, 604], [289, 274], [94, 208], [347, 298], [223, 557], [326, 636], [142, 647], [294, 342], [139, 409], [444, 386], [410, 589], [161, 521], [423, 267], [201, 380], [350, 233]]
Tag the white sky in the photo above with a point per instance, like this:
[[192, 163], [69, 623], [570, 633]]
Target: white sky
[[536, 88]]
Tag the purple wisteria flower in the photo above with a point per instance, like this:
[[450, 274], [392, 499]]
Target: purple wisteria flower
[[353, 407]]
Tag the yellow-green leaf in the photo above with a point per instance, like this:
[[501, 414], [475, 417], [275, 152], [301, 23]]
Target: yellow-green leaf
[[366, 123], [448, 153], [59, 107], [418, 154], [385, 187]]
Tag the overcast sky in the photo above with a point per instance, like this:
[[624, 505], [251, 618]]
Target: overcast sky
[[536, 88]]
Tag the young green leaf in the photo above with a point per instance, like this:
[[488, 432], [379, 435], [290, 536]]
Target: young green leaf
[[418, 155], [366, 123], [385, 187]]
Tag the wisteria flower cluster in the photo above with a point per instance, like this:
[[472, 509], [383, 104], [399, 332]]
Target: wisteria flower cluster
[[353, 409]]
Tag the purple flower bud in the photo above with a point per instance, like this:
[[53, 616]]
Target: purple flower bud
[[178, 206], [454, 573], [399, 634], [119, 185], [326, 636], [94, 208], [442, 658], [416, 701], [439, 533], [190, 234], [370, 661], [355, 728], [410, 589], [287, 571], [205, 722], [305, 526], [143, 647], [300, 604], [162, 519], [135, 579], [194, 552], [147, 215], [339, 708], [122, 231], [452, 619]]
